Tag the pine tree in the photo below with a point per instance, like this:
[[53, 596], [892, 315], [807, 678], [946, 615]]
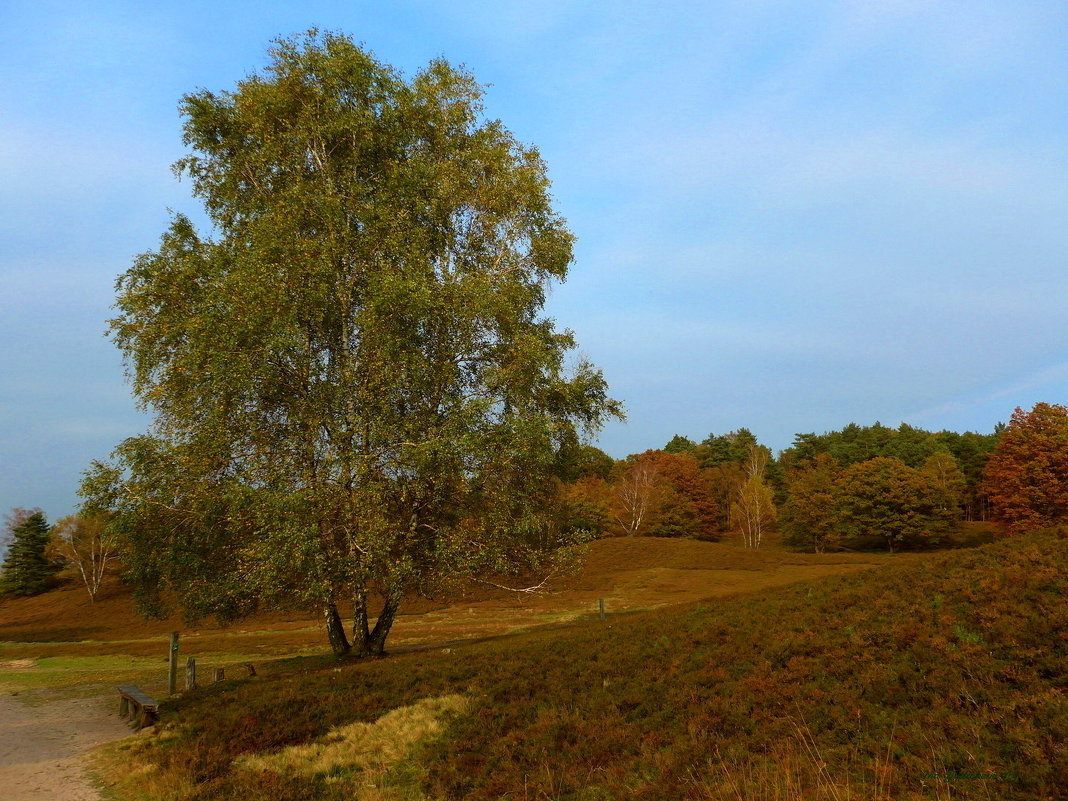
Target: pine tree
[[27, 571]]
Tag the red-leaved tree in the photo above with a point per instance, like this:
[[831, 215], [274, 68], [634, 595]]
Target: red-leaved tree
[[1026, 477], [662, 495]]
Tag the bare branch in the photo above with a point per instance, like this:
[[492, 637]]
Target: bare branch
[[532, 590]]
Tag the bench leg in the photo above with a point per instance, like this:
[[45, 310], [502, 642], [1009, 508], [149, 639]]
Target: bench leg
[[124, 706]]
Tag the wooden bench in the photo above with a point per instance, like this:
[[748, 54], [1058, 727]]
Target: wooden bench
[[142, 709]]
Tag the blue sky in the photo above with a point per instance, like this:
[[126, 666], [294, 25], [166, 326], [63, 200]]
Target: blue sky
[[790, 216]]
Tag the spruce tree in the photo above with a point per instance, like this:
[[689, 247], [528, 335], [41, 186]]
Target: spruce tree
[[27, 571]]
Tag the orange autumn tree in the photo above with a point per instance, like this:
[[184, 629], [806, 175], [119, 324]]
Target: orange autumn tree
[[660, 494], [1026, 478], [691, 509]]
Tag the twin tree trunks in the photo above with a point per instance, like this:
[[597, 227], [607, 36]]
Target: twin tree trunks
[[366, 641], [392, 408]]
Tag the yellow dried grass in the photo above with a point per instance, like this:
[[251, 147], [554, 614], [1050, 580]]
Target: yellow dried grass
[[364, 747]]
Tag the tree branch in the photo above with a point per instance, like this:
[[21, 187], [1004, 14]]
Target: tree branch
[[533, 590]]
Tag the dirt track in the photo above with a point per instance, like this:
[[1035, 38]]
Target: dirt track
[[43, 746]]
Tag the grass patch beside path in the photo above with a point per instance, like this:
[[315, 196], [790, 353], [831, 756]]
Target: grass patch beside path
[[74, 672]]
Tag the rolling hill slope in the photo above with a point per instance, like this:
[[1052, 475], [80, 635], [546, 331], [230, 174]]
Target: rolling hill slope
[[941, 677]]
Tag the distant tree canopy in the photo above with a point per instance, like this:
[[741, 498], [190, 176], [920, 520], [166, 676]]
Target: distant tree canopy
[[27, 569], [884, 497], [913, 446], [810, 514], [679, 444], [686, 503], [905, 486], [579, 461], [355, 391], [818, 495], [587, 506], [731, 448], [660, 494], [87, 545], [726, 462], [1027, 475]]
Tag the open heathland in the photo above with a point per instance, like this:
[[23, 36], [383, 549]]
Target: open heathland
[[59, 638], [934, 676]]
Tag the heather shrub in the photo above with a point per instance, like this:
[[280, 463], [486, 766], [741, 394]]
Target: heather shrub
[[941, 677]]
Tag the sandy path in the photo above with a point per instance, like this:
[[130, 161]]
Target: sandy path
[[43, 746]]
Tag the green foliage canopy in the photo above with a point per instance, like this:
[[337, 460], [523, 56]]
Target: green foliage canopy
[[810, 513], [679, 444], [913, 446], [353, 388], [884, 497], [733, 447]]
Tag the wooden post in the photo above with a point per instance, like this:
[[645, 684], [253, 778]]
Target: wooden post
[[219, 675], [600, 604], [191, 673], [172, 668]]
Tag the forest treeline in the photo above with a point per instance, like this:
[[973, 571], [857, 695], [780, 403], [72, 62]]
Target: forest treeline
[[858, 487], [861, 485]]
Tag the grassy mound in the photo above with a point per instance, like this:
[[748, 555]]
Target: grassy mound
[[941, 678]]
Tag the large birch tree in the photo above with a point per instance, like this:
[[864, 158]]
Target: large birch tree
[[355, 392]]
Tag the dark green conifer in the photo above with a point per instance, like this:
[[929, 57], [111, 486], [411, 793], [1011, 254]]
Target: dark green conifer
[[27, 571]]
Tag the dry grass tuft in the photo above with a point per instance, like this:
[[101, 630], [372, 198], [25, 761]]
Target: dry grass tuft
[[18, 664], [122, 769], [366, 748]]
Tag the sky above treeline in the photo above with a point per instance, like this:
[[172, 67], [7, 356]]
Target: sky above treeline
[[790, 216]]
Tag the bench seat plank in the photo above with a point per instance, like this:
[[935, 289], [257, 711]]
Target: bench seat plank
[[138, 696], [140, 706]]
